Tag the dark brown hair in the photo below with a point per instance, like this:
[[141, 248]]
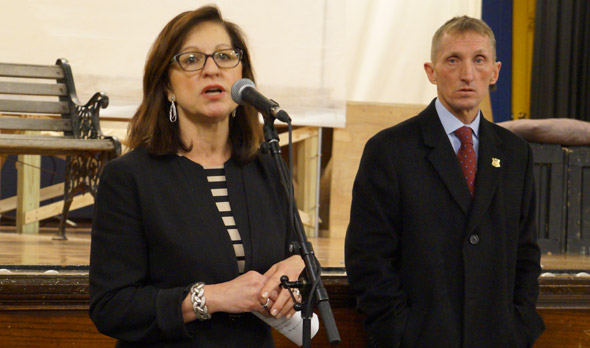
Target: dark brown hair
[[150, 126]]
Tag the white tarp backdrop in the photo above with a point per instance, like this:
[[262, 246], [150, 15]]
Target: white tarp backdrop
[[391, 42], [309, 55]]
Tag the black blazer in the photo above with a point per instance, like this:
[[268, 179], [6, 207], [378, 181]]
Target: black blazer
[[156, 231], [431, 268]]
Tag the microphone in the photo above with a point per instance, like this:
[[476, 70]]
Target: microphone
[[244, 92]]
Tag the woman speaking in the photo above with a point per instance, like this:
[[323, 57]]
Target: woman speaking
[[190, 231]]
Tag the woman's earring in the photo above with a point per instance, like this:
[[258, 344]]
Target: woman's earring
[[233, 113], [172, 114]]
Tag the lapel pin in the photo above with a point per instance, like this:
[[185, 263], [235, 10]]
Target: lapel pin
[[496, 162]]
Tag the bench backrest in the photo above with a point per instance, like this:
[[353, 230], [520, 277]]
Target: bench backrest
[[35, 82], [46, 90]]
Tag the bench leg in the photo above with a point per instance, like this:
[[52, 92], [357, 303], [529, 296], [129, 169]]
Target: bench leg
[[61, 232], [70, 189], [82, 175]]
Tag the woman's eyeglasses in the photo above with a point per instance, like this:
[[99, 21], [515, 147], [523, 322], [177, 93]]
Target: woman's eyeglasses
[[195, 61]]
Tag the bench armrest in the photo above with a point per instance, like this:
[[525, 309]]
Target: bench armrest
[[85, 118]]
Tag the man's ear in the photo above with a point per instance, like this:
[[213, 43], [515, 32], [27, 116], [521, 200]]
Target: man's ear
[[429, 69], [495, 73]]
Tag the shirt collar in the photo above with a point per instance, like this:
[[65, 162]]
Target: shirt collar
[[451, 123]]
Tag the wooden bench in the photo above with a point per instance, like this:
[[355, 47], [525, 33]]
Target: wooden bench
[[42, 112]]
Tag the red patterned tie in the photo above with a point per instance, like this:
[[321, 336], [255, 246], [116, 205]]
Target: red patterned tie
[[466, 156]]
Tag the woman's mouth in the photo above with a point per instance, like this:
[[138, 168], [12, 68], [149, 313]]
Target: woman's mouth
[[213, 90]]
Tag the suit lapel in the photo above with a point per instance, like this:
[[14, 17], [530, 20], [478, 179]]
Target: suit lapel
[[209, 228], [443, 158], [489, 171]]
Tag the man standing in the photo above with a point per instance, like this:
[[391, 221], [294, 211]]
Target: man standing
[[441, 248]]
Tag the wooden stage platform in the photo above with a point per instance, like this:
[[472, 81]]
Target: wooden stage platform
[[44, 295]]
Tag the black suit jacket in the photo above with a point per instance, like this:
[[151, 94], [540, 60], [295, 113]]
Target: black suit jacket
[[429, 266], [156, 231]]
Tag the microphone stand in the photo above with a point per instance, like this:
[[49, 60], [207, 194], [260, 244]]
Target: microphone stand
[[311, 285]]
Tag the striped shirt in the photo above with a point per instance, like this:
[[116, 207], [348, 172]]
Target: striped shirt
[[218, 185]]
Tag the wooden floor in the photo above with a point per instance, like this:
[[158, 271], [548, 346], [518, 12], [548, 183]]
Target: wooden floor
[[41, 249]]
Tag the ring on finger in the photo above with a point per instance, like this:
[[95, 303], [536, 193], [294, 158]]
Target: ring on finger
[[265, 305], [297, 293]]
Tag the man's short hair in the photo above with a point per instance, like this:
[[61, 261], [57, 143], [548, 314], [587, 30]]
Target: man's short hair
[[460, 25]]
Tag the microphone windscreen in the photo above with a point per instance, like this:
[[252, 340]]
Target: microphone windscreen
[[238, 87]]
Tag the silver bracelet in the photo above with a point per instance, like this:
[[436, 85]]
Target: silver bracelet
[[198, 301]]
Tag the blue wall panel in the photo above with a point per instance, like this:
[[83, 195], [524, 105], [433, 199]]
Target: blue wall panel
[[498, 15]]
